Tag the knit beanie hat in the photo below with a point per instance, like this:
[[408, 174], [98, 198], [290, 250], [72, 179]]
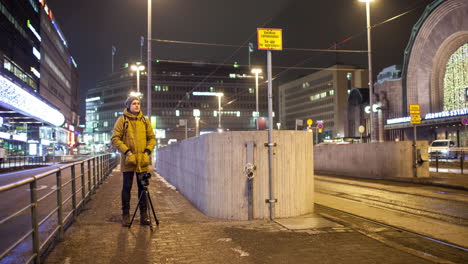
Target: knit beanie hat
[[129, 101]]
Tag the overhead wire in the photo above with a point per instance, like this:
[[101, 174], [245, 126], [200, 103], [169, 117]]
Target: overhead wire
[[332, 49]]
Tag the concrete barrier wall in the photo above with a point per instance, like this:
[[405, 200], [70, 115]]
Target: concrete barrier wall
[[374, 160], [209, 171]]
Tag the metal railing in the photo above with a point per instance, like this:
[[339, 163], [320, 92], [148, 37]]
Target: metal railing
[[453, 159], [81, 182], [13, 162]]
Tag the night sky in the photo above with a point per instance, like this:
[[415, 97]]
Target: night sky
[[92, 27]]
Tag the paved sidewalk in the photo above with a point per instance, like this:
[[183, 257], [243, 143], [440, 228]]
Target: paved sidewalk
[[185, 235]]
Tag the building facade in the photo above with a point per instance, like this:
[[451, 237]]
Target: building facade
[[177, 90], [32, 122], [434, 75], [320, 96]]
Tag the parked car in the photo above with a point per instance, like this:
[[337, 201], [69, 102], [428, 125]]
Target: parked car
[[443, 148]]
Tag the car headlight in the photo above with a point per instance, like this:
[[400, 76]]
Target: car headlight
[[444, 151]]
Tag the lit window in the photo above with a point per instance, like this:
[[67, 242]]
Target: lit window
[[177, 112], [212, 89], [331, 92], [323, 95], [157, 88], [349, 76], [251, 90]]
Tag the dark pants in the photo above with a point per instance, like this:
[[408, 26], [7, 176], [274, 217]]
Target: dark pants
[[126, 189]]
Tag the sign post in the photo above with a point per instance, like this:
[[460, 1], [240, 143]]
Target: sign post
[[361, 130], [415, 114], [319, 129], [270, 39]]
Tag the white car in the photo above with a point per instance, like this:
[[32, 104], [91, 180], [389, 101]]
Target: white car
[[442, 148]]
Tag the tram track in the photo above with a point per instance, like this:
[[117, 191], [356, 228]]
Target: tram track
[[417, 244]]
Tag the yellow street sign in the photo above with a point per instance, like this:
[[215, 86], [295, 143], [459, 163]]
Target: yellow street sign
[[416, 119], [320, 130], [270, 38], [310, 122], [414, 108]]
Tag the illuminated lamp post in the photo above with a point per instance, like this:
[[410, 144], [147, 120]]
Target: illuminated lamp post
[[196, 114], [256, 71], [369, 56], [138, 68], [219, 95]]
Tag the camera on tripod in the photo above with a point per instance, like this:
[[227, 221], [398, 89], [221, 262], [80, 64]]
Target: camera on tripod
[[144, 178]]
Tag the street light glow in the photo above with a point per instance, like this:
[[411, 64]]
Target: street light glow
[[256, 70], [366, 1], [137, 68]]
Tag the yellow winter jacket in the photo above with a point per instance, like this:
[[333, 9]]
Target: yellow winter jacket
[[134, 133]]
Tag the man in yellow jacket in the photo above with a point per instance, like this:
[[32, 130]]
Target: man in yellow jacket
[[134, 138]]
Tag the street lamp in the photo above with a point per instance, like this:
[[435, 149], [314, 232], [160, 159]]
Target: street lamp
[[138, 68], [148, 77], [219, 95], [369, 56], [196, 114], [256, 71]]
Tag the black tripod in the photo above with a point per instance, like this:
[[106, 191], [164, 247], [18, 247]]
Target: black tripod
[[144, 179]]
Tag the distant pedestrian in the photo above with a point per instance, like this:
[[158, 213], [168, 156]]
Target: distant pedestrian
[[134, 138]]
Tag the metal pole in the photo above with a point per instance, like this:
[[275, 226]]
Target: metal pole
[[219, 112], [371, 83], [197, 126], [256, 92], [270, 138], [186, 121], [59, 202], [316, 136], [34, 222], [148, 77], [415, 152], [113, 53], [138, 79], [73, 190]]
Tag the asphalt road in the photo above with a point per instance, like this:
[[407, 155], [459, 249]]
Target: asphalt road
[[14, 200]]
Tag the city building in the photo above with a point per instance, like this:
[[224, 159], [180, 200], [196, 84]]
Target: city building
[[177, 90], [33, 63], [321, 96], [434, 75]]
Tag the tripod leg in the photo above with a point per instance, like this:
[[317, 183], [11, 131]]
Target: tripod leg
[[152, 208], [136, 209]]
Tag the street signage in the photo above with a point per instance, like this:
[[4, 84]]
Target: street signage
[[320, 130], [361, 129], [320, 126], [270, 38], [415, 113], [416, 119], [465, 121], [310, 122], [414, 109]]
